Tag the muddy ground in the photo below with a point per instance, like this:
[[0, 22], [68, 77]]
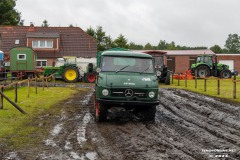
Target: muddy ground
[[187, 126]]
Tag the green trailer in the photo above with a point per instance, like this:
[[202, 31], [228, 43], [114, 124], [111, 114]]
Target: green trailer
[[23, 62]]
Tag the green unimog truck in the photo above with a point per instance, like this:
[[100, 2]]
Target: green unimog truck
[[126, 79]]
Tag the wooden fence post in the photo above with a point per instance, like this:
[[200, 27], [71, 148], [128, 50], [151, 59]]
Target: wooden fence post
[[186, 80], [28, 87], [43, 84], [234, 87], [54, 80], [195, 79], [47, 82], [36, 85], [172, 76], [218, 86], [178, 79], [205, 84], [1, 99], [16, 92]]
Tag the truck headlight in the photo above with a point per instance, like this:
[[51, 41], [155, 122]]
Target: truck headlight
[[159, 73], [105, 92], [151, 94]]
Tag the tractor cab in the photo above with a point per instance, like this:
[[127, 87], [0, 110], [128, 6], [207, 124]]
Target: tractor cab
[[207, 59]]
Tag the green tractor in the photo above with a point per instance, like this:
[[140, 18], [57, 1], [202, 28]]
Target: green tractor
[[64, 70], [205, 67]]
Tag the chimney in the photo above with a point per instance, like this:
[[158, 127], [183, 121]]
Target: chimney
[[31, 27]]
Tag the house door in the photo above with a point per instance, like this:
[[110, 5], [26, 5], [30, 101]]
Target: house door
[[171, 63]]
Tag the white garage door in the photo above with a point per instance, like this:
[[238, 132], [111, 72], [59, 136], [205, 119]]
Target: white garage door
[[228, 62]]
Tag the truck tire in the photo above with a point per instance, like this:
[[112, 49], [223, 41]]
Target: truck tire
[[203, 71], [70, 74], [90, 77], [167, 79], [149, 113], [100, 112], [225, 73]]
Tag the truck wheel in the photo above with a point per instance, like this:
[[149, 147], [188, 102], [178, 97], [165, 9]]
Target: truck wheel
[[100, 112], [149, 113], [70, 74], [225, 73], [203, 71], [90, 77], [167, 79]]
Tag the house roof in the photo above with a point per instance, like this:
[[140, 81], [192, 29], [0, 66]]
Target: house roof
[[188, 52], [42, 35], [178, 52], [73, 40]]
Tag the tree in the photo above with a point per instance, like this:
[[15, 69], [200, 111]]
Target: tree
[[70, 25], [233, 43], [91, 32], [121, 41], [45, 23], [162, 45], [108, 43], [9, 15], [216, 49], [100, 36], [148, 46], [132, 45]]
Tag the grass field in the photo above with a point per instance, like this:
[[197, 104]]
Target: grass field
[[13, 122], [226, 87]]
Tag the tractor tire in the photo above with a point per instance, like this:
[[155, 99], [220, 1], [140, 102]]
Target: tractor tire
[[203, 71], [149, 113], [225, 73], [100, 112], [70, 74], [167, 79], [90, 77]]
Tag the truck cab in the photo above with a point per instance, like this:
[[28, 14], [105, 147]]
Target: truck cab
[[126, 79]]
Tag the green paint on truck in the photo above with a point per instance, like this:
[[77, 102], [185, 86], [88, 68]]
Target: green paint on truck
[[126, 79]]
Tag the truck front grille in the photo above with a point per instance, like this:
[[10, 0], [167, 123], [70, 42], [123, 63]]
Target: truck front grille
[[127, 93]]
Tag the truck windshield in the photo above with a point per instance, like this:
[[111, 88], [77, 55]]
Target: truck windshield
[[127, 64]]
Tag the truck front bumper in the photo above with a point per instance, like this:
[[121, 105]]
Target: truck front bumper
[[128, 103]]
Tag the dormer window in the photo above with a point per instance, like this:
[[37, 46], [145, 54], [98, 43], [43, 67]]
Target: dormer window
[[42, 44], [43, 40]]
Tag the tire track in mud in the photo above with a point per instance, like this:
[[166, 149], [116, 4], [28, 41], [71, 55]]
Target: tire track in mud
[[68, 137], [187, 126]]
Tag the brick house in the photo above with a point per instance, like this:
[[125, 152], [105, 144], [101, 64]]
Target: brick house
[[48, 42], [233, 60]]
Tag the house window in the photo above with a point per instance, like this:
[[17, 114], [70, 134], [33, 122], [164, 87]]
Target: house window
[[21, 56], [41, 63], [42, 44]]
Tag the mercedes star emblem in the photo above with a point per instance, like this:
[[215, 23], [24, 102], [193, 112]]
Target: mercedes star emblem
[[128, 93]]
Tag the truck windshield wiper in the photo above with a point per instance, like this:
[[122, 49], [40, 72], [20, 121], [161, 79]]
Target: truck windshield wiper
[[122, 68], [145, 70]]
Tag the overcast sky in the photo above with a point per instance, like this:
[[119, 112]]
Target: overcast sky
[[186, 22]]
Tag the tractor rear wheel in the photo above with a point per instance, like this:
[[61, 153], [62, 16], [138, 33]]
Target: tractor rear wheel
[[167, 79], [203, 71], [90, 77], [225, 73], [70, 74]]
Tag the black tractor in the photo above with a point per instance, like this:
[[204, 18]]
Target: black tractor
[[163, 73]]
